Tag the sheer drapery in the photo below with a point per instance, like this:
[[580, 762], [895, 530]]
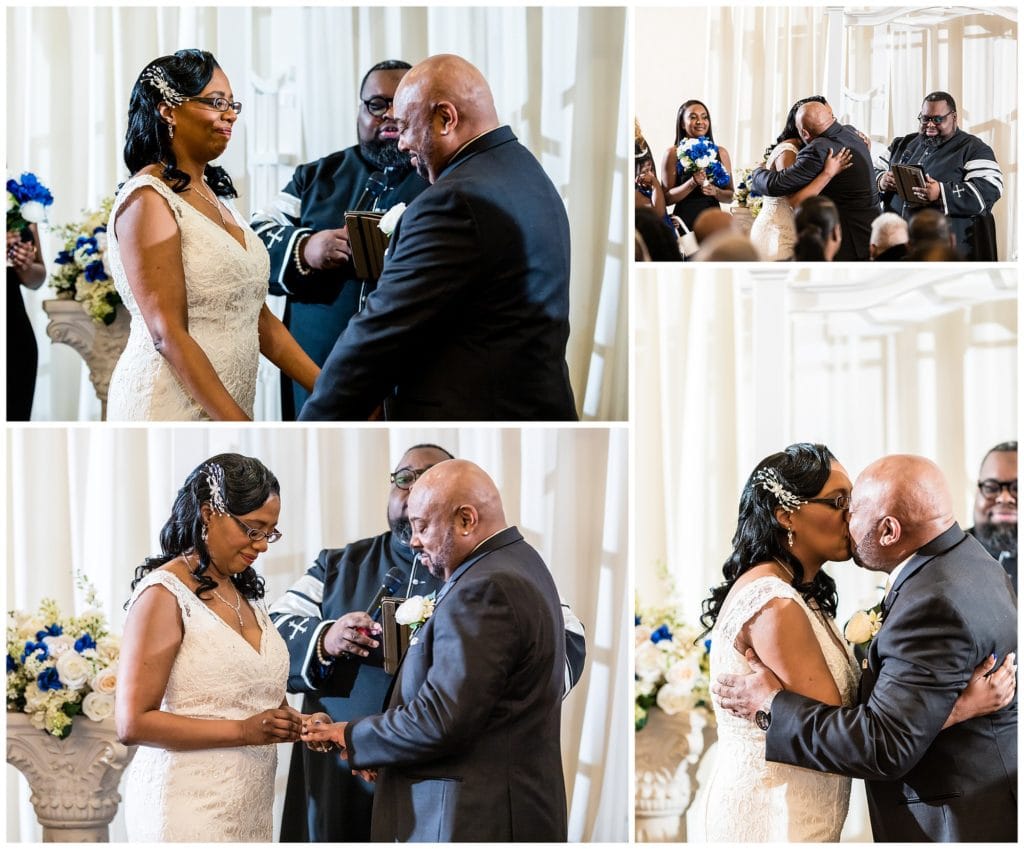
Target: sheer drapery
[[558, 81], [875, 66], [93, 500], [736, 364]]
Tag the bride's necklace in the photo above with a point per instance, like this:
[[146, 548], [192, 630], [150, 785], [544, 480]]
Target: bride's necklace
[[212, 203], [237, 606], [785, 568]]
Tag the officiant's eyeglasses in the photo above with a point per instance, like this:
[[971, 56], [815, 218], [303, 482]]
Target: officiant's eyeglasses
[[934, 119], [839, 502], [377, 106], [404, 478], [990, 487], [221, 104], [255, 534]]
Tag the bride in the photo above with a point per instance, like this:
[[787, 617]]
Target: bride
[[191, 272], [202, 673], [773, 232], [777, 601]]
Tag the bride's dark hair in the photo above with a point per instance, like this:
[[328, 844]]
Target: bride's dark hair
[[147, 140], [790, 131], [680, 134], [247, 484], [804, 469]]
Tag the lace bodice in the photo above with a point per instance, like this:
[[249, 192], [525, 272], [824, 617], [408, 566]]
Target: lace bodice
[[225, 285], [210, 794], [747, 798], [778, 150]]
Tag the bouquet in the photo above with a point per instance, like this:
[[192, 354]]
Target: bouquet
[[673, 668], [26, 202], [61, 666], [701, 154], [82, 271]]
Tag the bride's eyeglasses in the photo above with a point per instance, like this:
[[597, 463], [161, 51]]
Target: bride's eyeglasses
[[219, 104], [839, 502], [255, 534]]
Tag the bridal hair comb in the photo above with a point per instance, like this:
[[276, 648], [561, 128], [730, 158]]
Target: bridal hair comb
[[215, 481], [158, 80], [770, 480]]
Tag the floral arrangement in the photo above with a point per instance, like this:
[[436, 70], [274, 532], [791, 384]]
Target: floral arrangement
[[701, 154], [389, 221], [26, 202], [673, 666], [743, 196], [61, 666], [82, 271], [415, 611]]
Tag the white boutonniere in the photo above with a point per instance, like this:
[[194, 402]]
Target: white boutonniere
[[415, 611], [388, 223], [863, 626]]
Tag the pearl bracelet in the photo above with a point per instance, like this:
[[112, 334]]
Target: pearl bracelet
[[300, 266], [320, 656]]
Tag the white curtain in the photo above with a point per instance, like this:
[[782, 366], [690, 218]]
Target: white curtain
[[874, 65], [733, 365], [558, 80], [93, 500]]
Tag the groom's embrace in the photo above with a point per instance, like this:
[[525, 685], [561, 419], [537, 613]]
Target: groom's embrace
[[469, 748], [949, 607]]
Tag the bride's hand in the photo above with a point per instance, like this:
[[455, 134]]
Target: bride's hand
[[834, 163], [986, 693], [280, 725]]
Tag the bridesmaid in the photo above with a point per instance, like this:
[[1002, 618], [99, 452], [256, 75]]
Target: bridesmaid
[[693, 193], [24, 268]]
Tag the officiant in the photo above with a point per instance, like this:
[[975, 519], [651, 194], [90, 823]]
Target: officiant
[[963, 179], [303, 227]]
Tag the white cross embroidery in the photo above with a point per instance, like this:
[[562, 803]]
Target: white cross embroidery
[[297, 627], [959, 190], [275, 237]]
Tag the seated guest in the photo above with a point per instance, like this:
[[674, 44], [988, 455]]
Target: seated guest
[[712, 221], [654, 241], [888, 238], [929, 232], [692, 193], [818, 233], [995, 506], [647, 189], [728, 246]]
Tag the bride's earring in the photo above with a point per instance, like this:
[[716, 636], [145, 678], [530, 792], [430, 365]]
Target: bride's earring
[[789, 537], [205, 533], [170, 131]]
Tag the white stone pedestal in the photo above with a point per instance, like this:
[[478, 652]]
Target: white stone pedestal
[[668, 750], [74, 781], [99, 345]]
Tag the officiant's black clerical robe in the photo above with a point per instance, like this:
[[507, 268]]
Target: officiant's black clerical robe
[[324, 802], [970, 182], [317, 197]]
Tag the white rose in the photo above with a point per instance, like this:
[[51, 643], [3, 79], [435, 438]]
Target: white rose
[[101, 240], [105, 681], [33, 211], [413, 610], [683, 672], [73, 670], [650, 662], [58, 645], [31, 626], [388, 223], [642, 688], [108, 647], [704, 161], [643, 634], [98, 706], [858, 629], [672, 698]]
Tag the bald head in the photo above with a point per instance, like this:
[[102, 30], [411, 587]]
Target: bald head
[[441, 104], [712, 221], [898, 504], [453, 507], [812, 119]]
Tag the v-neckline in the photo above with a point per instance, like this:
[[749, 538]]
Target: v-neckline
[[223, 229], [223, 621]]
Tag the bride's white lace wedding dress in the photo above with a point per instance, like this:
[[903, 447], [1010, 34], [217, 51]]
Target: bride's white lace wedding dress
[[210, 794], [748, 799], [226, 286], [773, 232]]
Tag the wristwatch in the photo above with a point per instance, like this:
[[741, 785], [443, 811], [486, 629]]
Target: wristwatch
[[763, 716]]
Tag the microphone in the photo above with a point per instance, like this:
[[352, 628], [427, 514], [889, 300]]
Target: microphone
[[392, 581], [375, 184]]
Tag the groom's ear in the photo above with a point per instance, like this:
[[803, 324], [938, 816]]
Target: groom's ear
[[466, 519], [889, 531]]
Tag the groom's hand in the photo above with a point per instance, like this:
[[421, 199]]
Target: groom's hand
[[320, 734], [352, 634], [743, 695]]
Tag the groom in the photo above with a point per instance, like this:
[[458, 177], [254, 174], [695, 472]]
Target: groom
[[950, 605], [852, 190], [469, 748]]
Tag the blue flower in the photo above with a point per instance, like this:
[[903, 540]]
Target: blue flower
[[94, 271], [636, 620], [30, 648], [30, 189], [64, 257], [81, 241], [49, 680], [84, 642], [707, 644], [717, 174], [663, 633], [53, 630], [12, 664]]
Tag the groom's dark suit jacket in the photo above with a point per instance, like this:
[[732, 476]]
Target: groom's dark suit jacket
[[469, 745], [853, 191], [951, 606], [470, 318]]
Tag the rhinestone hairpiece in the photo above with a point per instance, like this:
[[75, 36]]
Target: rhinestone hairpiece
[[771, 480], [156, 78], [215, 481]]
